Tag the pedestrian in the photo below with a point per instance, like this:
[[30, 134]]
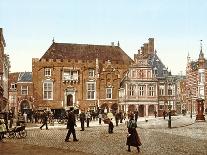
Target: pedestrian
[[2, 129], [133, 137], [111, 126], [88, 118], [117, 118], [164, 114], [99, 118], [10, 118], [121, 116], [44, 119], [6, 117], [155, 113], [82, 120], [71, 124], [136, 113]]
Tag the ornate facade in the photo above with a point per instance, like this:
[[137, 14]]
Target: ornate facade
[[148, 86], [79, 75]]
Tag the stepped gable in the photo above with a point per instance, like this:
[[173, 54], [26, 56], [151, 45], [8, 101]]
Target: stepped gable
[[25, 77], [86, 52]]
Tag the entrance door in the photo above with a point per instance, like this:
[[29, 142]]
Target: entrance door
[[69, 100]]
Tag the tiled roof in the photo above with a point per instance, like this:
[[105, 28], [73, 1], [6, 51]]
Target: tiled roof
[[86, 52], [157, 64], [25, 77]]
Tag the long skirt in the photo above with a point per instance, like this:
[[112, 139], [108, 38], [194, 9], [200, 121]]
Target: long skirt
[[133, 139]]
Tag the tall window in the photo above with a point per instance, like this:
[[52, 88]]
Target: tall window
[[131, 90], [109, 93], [161, 90], [151, 91], [91, 73], [169, 89], [91, 90], [141, 90], [48, 71], [48, 90], [24, 90]]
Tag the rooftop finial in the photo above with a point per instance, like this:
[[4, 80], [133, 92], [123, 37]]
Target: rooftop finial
[[201, 55], [201, 44], [118, 44], [53, 40]]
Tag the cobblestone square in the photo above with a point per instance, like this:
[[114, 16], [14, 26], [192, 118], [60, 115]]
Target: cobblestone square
[[157, 139]]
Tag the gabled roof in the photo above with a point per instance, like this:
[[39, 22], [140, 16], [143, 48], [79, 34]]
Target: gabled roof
[[25, 77], [86, 52], [157, 64]]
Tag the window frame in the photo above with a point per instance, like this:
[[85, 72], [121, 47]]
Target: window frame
[[48, 93], [48, 72], [24, 90], [91, 94], [109, 94]]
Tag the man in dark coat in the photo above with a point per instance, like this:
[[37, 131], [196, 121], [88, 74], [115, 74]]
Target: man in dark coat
[[82, 120], [44, 118], [71, 126]]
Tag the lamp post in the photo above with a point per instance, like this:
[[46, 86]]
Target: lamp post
[[169, 121]]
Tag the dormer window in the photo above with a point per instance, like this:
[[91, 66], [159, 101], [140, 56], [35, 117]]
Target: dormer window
[[155, 71], [13, 86], [48, 71]]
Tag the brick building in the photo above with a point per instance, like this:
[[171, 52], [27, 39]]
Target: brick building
[[148, 86], [21, 92], [196, 87], [4, 74], [79, 75]]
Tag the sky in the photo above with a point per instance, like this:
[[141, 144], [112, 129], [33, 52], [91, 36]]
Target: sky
[[176, 25]]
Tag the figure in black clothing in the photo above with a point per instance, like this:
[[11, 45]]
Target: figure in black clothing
[[136, 113], [6, 117], [111, 126], [45, 118], [164, 114], [82, 120], [71, 125], [117, 119]]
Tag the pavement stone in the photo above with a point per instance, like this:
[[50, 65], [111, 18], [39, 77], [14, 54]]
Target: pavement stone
[[190, 139]]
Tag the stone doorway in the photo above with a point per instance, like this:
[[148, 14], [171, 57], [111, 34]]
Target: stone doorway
[[69, 100]]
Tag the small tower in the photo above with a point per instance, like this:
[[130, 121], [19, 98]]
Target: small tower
[[201, 59]]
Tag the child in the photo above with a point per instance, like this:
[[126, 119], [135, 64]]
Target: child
[[111, 126]]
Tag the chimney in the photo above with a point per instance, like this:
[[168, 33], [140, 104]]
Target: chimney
[[112, 44]]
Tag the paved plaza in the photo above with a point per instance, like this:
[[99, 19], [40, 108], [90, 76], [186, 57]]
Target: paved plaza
[[186, 137]]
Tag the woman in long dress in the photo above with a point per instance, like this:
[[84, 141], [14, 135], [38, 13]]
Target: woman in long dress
[[133, 137]]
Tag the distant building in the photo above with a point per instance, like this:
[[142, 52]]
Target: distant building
[[4, 74], [84, 76], [148, 86], [21, 92]]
